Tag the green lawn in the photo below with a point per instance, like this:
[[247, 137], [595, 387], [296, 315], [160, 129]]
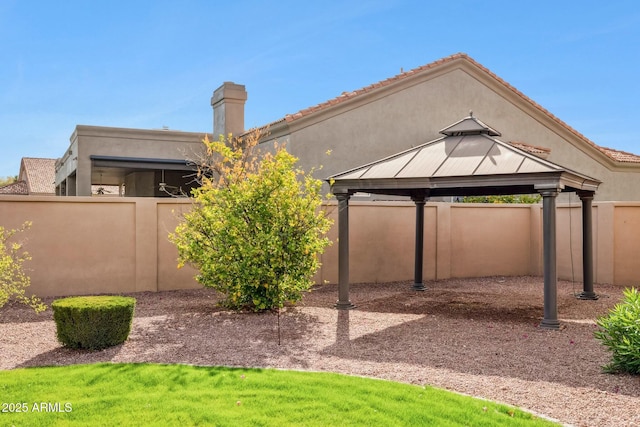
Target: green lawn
[[181, 395]]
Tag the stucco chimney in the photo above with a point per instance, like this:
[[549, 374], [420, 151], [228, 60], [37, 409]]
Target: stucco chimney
[[228, 109]]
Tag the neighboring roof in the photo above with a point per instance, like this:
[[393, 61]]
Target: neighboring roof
[[468, 159], [18, 187], [39, 174], [614, 155]]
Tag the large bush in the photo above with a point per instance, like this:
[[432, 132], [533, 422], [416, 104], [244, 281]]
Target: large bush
[[93, 322], [256, 227], [13, 279], [528, 199], [620, 333]]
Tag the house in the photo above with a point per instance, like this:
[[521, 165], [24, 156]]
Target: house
[[135, 162], [141, 162], [410, 108], [36, 178]]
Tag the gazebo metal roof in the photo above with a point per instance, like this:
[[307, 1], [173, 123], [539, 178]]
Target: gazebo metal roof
[[468, 160]]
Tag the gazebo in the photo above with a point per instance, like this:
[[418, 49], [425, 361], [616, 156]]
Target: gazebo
[[468, 160]]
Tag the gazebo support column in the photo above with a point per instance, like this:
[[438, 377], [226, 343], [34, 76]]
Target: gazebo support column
[[343, 253], [587, 248], [550, 320], [418, 284]]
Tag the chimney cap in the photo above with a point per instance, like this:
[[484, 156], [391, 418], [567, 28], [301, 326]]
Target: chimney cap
[[229, 91]]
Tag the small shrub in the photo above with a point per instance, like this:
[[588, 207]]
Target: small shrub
[[13, 279], [620, 333], [93, 322]]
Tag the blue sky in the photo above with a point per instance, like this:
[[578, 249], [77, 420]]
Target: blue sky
[[148, 64]]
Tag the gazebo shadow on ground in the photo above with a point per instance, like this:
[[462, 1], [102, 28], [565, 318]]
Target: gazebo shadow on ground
[[484, 327]]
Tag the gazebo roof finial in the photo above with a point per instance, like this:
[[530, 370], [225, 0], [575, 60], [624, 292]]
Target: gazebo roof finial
[[469, 126]]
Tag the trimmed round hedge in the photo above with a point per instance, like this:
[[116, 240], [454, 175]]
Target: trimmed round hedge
[[93, 322]]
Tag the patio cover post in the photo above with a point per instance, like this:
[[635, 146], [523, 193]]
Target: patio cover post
[[418, 285], [587, 247], [343, 252], [550, 320]]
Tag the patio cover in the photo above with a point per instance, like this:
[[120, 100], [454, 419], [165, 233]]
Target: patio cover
[[468, 160]]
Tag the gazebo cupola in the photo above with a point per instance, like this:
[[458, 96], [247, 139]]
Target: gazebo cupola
[[469, 126]]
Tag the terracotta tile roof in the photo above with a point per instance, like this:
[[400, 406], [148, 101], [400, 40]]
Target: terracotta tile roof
[[618, 156], [537, 151], [40, 175], [19, 187], [349, 95]]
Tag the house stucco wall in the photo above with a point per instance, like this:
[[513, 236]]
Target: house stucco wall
[[383, 122]]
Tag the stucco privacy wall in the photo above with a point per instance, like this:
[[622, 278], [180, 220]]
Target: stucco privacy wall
[[627, 241], [85, 245], [461, 240]]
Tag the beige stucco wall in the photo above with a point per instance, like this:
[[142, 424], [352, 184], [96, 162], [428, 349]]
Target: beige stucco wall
[[381, 243], [170, 277], [84, 245], [627, 243], [460, 240], [488, 242]]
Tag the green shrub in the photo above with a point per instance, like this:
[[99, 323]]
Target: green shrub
[[529, 199], [256, 227], [13, 279], [93, 322], [620, 333]]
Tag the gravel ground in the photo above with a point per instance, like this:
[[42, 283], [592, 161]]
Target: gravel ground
[[474, 336]]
